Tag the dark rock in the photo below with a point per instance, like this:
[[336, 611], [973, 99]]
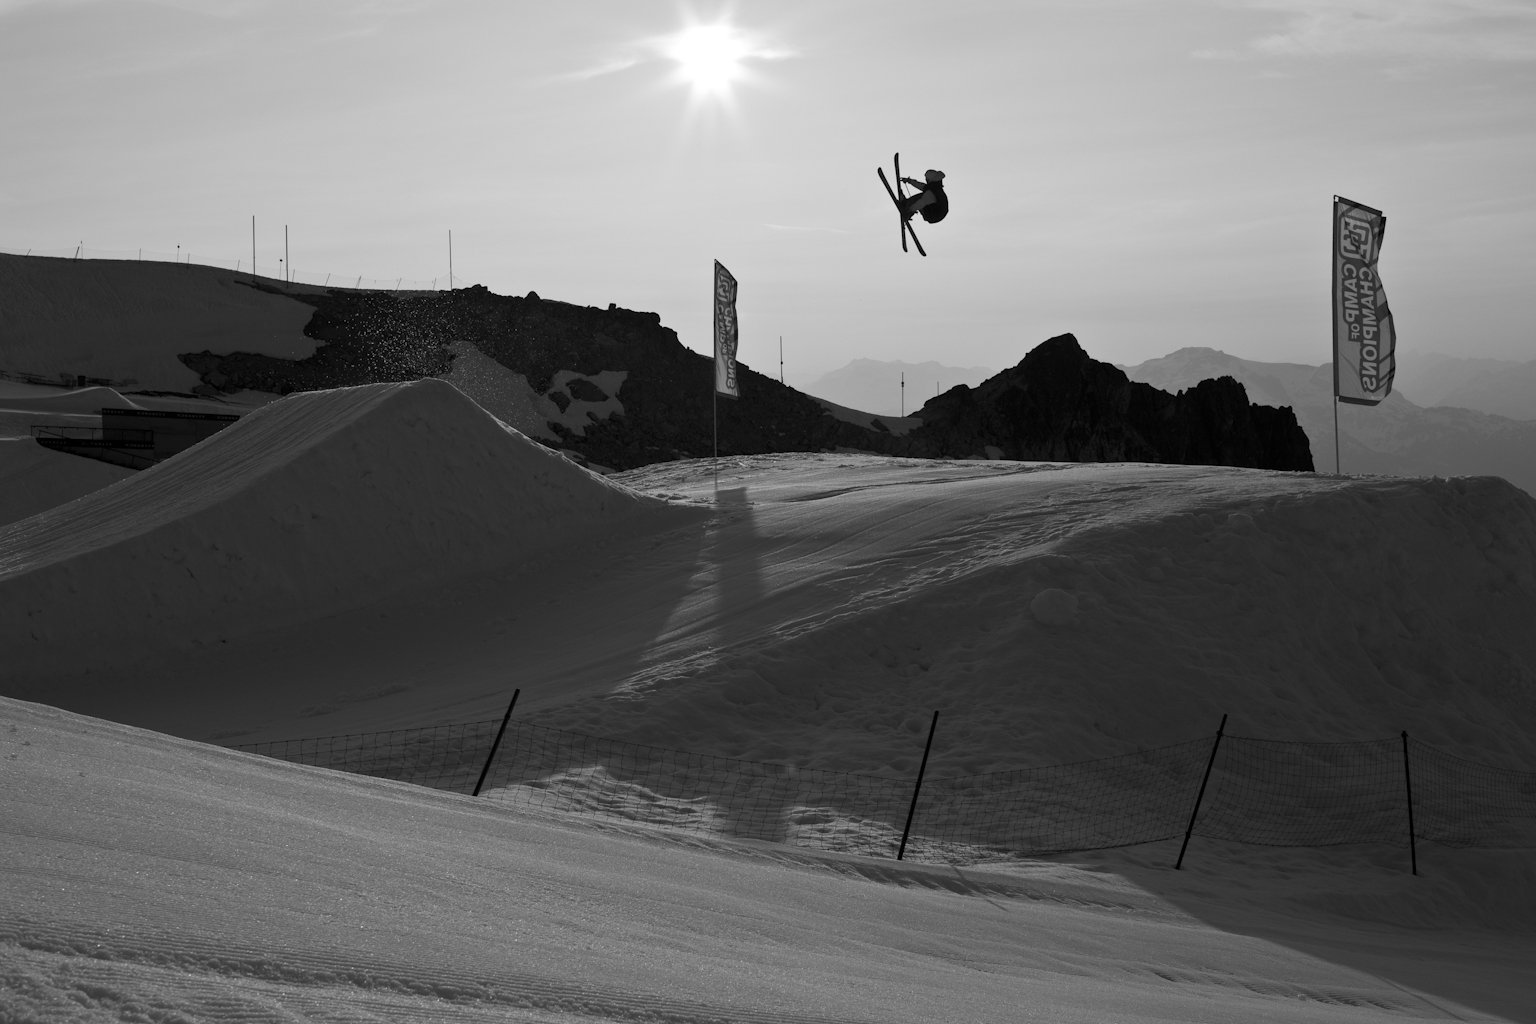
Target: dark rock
[[1058, 404]]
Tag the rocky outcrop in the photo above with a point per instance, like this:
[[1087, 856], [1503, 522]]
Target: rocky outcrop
[[1058, 404], [666, 394]]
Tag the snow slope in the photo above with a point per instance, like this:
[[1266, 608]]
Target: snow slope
[[153, 879], [300, 509], [818, 610], [127, 321], [393, 556], [30, 398]]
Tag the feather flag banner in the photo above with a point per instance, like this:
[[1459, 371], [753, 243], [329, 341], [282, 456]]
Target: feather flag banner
[[725, 333], [1364, 338]]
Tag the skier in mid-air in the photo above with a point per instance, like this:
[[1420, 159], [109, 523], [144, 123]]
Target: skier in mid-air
[[930, 201]]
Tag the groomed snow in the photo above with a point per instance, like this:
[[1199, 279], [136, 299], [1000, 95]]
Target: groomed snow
[[148, 878]]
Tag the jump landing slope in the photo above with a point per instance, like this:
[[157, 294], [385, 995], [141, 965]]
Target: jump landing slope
[[310, 505]]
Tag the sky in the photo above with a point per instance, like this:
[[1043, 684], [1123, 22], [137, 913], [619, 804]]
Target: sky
[[1147, 175], [392, 556]]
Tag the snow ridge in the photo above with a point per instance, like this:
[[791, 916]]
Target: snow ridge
[[321, 501]]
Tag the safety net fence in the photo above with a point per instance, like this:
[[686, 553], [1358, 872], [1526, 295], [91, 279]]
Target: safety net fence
[[1238, 789]]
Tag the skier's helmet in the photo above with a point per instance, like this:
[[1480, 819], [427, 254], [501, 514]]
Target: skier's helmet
[[933, 177]]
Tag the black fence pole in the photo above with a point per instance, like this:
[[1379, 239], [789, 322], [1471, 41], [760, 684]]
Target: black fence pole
[[1413, 843], [1199, 797], [492, 756], [902, 849]]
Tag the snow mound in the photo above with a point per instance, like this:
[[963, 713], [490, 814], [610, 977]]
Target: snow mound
[[80, 400], [318, 502]]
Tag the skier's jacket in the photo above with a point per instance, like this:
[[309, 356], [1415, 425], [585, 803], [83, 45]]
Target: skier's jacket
[[939, 208]]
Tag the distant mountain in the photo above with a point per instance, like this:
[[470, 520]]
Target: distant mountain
[[875, 385], [1395, 438], [1503, 387]]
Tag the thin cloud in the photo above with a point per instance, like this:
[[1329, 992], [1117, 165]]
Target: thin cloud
[[658, 50], [610, 67], [1495, 30], [806, 229]]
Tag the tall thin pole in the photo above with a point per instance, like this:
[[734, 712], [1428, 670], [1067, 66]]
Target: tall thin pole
[[714, 379], [781, 359], [917, 788], [903, 392], [287, 263], [1201, 795], [1413, 843], [1336, 470], [1334, 296], [497, 742]]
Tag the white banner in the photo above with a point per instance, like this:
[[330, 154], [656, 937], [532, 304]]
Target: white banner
[[1364, 339], [725, 333]]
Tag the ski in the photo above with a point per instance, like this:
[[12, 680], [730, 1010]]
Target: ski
[[896, 197], [906, 222]]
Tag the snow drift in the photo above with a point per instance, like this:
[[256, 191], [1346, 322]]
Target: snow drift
[[85, 400], [321, 501]]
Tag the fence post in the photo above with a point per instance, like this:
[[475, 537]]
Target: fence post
[[492, 756], [1178, 864], [1413, 843], [902, 849]]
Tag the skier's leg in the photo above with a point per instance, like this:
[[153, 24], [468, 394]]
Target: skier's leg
[[914, 203]]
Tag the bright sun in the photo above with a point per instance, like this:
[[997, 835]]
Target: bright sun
[[709, 57]]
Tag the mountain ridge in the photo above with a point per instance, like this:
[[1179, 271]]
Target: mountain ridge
[[1394, 438]]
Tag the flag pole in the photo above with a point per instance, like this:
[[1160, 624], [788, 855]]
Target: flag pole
[[1336, 470], [1334, 299], [714, 391]]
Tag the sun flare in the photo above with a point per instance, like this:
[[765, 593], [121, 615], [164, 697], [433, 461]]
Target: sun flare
[[709, 58]]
